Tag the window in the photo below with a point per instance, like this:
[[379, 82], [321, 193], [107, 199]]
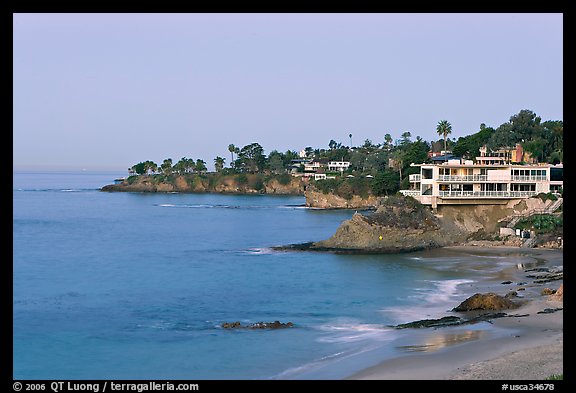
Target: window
[[427, 173]]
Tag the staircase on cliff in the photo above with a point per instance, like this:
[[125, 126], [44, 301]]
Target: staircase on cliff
[[551, 208]]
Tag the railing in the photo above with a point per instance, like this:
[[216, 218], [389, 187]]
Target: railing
[[528, 178], [551, 208], [463, 177], [415, 178], [411, 193], [486, 194]]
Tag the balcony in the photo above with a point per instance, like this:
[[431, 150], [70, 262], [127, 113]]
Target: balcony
[[486, 194], [412, 193], [528, 178], [415, 178], [468, 178]]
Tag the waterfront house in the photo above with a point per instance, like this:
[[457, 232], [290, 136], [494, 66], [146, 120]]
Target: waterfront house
[[487, 181]]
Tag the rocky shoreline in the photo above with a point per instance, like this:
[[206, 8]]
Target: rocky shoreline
[[402, 224], [519, 334]]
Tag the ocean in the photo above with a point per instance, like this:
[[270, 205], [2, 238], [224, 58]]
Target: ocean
[[137, 286]]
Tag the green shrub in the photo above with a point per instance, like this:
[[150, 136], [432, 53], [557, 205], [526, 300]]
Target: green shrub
[[242, 179], [284, 179], [541, 223]]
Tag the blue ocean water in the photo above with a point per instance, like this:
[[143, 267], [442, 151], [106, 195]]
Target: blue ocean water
[[136, 285]]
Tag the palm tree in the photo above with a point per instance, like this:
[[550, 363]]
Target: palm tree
[[219, 163], [350, 136], [444, 128], [232, 150], [388, 141]]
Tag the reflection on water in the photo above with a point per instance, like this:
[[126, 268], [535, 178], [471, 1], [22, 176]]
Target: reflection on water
[[442, 340]]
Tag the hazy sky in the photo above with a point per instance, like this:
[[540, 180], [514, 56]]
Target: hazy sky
[[106, 91]]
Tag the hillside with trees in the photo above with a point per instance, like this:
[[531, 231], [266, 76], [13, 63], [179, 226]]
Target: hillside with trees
[[375, 168]]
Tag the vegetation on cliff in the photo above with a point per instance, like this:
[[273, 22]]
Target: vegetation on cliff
[[212, 182]]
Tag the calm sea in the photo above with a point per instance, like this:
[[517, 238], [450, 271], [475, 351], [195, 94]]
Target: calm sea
[[137, 285]]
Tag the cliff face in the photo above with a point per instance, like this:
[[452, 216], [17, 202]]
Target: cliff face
[[402, 224], [249, 184], [318, 199]]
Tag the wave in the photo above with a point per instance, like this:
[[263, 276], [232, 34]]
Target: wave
[[428, 302], [198, 206], [358, 339], [259, 251], [345, 332]]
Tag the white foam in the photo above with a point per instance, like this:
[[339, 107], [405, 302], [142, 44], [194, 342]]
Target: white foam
[[430, 302], [352, 331], [259, 251]]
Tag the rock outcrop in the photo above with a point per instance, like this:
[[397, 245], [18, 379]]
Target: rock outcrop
[[486, 301], [449, 321], [212, 182], [558, 296], [399, 224], [257, 325], [320, 200]]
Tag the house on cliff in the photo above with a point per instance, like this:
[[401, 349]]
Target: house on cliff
[[486, 181]]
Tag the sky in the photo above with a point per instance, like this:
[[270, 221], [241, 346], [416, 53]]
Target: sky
[[101, 91]]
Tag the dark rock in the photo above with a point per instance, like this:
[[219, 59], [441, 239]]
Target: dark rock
[[450, 321], [485, 301], [549, 310], [521, 289], [257, 325], [547, 291], [511, 294], [506, 282], [231, 325], [444, 321], [270, 325]]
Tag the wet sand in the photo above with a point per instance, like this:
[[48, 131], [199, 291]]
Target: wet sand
[[526, 345]]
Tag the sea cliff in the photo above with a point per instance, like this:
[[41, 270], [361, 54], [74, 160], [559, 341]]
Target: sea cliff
[[402, 224], [212, 182]]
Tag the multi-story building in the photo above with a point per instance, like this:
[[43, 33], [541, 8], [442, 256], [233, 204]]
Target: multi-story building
[[484, 182], [338, 165]]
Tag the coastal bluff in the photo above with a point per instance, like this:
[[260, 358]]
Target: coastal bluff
[[402, 224], [212, 182]]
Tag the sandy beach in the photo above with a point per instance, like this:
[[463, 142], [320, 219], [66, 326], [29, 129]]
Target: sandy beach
[[525, 345]]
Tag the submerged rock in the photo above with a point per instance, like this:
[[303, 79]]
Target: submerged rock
[[423, 323], [450, 321], [257, 325], [486, 301]]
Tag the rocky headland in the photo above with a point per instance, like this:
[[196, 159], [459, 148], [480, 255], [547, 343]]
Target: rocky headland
[[402, 224], [212, 182]]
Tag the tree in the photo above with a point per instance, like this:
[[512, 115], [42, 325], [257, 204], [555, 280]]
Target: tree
[[332, 144], [139, 168], [166, 166], [385, 182], [444, 128], [388, 141], [232, 149], [200, 166], [406, 137], [251, 158], [350, 136], [219, 163], [275, 162], [184, 165]]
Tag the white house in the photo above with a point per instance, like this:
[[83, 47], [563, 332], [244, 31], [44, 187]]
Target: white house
[[465, 182], [338, 165]]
